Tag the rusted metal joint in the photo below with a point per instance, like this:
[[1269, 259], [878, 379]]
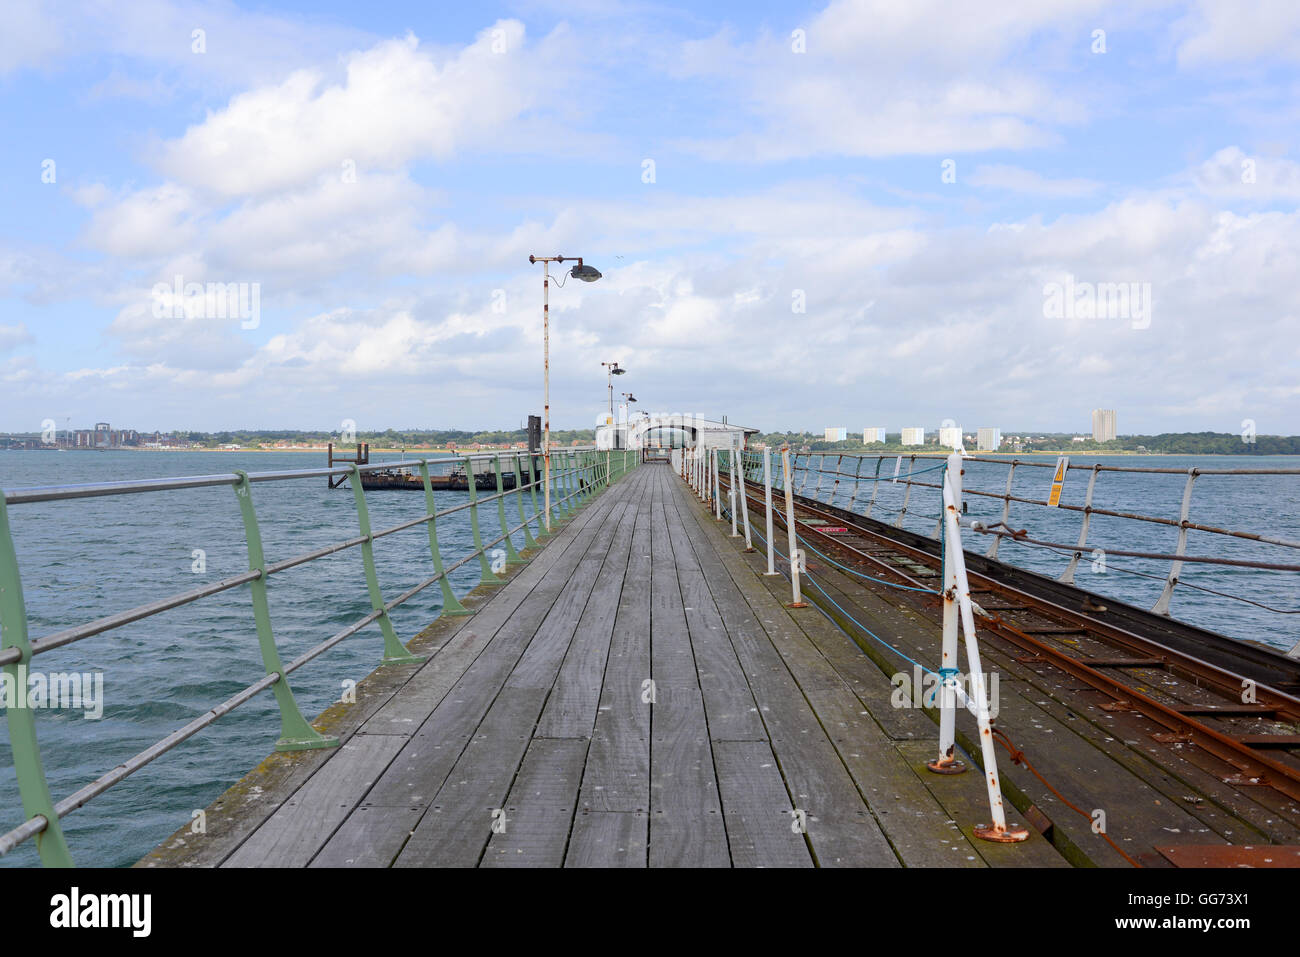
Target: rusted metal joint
[[1002, 835]]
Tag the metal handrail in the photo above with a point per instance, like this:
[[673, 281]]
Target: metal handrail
[[582, 474], [54, 493], [918, 463]]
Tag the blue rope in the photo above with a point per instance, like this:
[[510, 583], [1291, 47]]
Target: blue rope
[[944, 675], [920, 471], [881, 581], [867, 631]]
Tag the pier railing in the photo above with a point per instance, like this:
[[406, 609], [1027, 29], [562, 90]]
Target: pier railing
[[577, 474], [855, 481], [720, 476]]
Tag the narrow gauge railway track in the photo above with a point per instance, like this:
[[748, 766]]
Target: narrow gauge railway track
[[1045, 623]]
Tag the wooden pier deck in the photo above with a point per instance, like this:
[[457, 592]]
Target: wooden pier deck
[[636, 695]]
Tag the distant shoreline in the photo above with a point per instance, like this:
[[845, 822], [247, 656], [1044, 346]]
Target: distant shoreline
[[864, 452]]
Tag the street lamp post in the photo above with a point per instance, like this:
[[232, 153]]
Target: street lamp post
[[628, 399], [586, 274], [612, 369]]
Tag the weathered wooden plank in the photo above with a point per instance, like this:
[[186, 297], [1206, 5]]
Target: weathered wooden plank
[[571, 708], [686, 824], [617, 776], [728, 702], [404, 713], [371, 836], [458, 827], [850, 713], [917, 825], [840, 827], [294, 833], [608, 839], [966, 800], [762, 828], [460, 819], [539, 810], [420, 770]]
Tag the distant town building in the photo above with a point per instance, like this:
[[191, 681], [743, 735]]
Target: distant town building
[[914, 436], [950, 437], [103, 436], [990, 440], [837, 434], [1103, 425], [873, 434]]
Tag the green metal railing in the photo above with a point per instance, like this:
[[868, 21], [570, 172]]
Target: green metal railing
[[578, 474]]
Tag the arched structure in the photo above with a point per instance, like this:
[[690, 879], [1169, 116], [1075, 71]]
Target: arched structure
[[672, 430]]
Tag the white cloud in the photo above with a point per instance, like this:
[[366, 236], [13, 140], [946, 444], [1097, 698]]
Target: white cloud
[[151, 44], [377, 294], [397, 102], [1220, 31], [1232, 174], [1016, 179], [899, 312], [887, 79], [11, 337], [147, 223], [31, 35]]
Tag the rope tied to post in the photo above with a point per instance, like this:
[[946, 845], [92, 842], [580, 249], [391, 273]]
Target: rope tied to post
[[944, 674]]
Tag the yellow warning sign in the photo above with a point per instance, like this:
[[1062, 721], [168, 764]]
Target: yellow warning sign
[[1058, 481]]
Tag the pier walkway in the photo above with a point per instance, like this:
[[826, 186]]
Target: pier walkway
[[635, 695]]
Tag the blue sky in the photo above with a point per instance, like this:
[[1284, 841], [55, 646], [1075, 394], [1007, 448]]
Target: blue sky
[[919, 176]]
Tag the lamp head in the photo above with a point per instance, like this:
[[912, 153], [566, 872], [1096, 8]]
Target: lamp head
[[585, 273]]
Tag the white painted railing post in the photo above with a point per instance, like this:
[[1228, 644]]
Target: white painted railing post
[[767, 497], [731, 491], [1161, 607], [796, 555], [717, 487], [1006, 511], [857, 480], [977, 700], [742, 498], [1067, 576], [946, 762], [907, 493]]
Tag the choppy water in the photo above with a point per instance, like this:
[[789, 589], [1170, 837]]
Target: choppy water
[[91, 557], [1268, 504]]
